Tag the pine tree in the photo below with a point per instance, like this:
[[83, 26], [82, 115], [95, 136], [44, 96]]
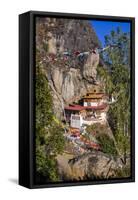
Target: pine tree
[[117, 82], [49, 135]]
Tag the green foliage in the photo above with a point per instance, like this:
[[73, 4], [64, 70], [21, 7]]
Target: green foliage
[[43, 101], [107, 144], [97, 129], [120, 54], [104, 76], [117, 82], [101, 134], [46, 165], [123, 143], [49, 135], [125, 172], [46, 46]]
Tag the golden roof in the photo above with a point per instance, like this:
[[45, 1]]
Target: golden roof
[[93, 96]]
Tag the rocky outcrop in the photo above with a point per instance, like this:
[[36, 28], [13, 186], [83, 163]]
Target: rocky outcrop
[[91, 166], [68, 86], [65, 35], [68, 80], [95, 164], [90, 67]]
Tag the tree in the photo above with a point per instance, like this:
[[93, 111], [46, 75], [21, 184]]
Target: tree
[[120, 53], [107, 144], [117, 82], [49, 134]]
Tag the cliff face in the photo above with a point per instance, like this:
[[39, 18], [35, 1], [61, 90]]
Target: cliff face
[[65, 34], [69, 79], [70, 84]]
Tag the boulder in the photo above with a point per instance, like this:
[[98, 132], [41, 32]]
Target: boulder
[[90, 166]]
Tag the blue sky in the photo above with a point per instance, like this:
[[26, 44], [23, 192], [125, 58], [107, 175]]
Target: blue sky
[[103, 28]]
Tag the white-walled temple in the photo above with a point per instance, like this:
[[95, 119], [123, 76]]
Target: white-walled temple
[[92, 111]]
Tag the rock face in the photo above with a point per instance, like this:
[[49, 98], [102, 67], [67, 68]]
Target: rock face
[[68, 86], [90, 67], [95, 164], [65, 34], [90, 166], [69, 80]]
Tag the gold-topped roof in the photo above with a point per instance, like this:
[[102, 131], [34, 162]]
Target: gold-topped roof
[[93, 96]]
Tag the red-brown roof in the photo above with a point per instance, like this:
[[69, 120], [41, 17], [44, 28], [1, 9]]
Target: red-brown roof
[[79, 108], [75, 107]]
